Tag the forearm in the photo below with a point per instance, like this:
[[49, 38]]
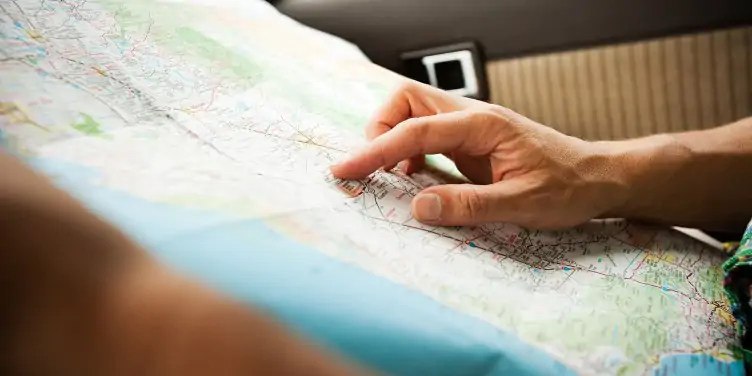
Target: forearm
[[699, 179], [80, 298], [58, 263]]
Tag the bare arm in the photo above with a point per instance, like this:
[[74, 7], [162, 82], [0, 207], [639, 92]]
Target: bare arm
[[699, 179], [80, 298]]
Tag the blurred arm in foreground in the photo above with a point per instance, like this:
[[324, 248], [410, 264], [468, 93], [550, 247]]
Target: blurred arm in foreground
[[79, 298]]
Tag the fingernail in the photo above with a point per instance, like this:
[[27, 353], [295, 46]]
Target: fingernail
[[428, 207]]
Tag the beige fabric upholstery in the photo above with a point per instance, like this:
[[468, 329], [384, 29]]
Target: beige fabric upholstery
[[672, 84]]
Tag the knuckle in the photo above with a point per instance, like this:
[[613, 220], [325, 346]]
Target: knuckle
[[405, 86], [488, 118], [488, 127], [472, 204], [415, 128], [500, 110]]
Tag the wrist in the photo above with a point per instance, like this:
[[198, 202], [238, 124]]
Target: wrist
[[644, 170]]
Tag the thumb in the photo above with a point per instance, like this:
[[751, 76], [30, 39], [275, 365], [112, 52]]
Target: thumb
[[463, 204]]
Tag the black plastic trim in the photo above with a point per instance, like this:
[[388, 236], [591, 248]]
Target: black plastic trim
[[384, 29]]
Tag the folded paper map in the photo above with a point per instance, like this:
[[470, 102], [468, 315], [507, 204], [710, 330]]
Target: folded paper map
[[205, 130]]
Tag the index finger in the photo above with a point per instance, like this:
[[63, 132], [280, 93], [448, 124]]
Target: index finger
[[435, 134]]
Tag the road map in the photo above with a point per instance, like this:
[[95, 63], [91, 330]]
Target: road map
[[205, 130]]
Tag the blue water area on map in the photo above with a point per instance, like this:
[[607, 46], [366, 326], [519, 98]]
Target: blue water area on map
[[697, 365], [382, 324]]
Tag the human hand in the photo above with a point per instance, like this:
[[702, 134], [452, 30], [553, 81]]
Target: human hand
[[523, 172]]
